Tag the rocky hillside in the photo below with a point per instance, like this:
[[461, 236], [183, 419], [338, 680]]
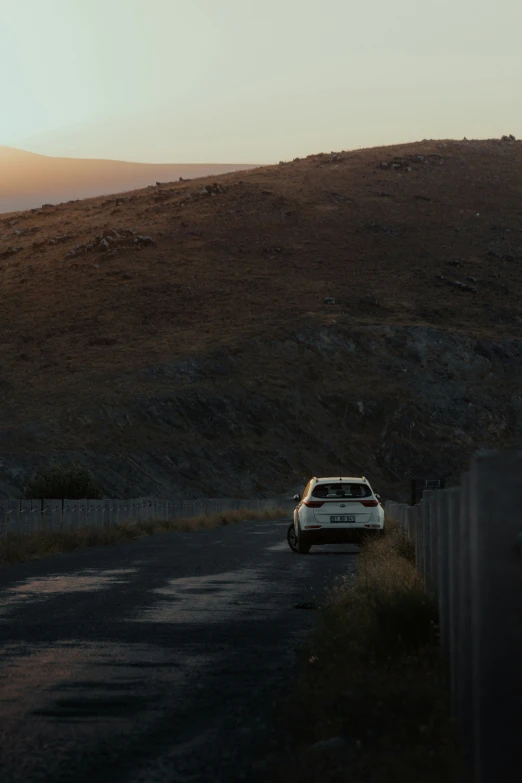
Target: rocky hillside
[[353, 311]]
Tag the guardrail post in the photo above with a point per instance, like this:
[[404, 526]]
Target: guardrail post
[[453, 585], [427, 560], [434, 533], [464, 705], [411, 523], [3, 517], [496, 602], [420, 538], [443, 578]]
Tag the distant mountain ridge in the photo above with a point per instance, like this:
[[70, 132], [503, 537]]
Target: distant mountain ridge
[[28, 179]]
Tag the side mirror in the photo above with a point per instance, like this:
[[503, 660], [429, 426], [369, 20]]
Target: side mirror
[[297, 498], [378, 497]]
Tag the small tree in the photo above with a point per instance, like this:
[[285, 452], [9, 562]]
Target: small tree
[[57, 482]]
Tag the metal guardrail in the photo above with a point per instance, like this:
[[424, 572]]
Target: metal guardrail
[[26, 516], [468, 550]]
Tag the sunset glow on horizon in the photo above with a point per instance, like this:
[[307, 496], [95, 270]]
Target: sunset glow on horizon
[[249, 82]]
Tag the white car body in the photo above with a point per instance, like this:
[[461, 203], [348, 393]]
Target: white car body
[[335, 510]]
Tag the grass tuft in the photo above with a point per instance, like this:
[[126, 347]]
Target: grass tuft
[[21, 547]]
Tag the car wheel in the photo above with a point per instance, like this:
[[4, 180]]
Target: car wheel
[[303, 546], [292, 538]]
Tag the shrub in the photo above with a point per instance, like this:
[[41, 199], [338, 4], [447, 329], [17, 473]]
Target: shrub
[[57, 482]]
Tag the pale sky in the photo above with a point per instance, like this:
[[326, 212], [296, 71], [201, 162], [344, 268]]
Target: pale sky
[[254, 81]]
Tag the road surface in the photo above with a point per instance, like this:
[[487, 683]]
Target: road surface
[[156, 660]]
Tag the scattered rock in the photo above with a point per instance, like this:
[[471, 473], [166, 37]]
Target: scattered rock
[[110, 240], [339, 198], [144, 241], [10, 251], [330, 300], [213, 189], [458, 283], [162, 195], [500, 256], [332, 742], [407, 163], [335, 157], [464, 287], [60, 238]]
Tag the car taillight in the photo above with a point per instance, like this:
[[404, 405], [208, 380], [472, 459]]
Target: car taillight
[[370, 503], [314, 503]]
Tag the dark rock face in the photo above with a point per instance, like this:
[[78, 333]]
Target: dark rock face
[[374, 400]]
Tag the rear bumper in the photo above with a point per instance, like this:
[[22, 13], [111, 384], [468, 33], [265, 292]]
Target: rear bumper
[[345, 535]]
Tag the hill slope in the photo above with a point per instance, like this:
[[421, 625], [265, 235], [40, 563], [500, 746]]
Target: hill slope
[[28, 180], [178, 340]]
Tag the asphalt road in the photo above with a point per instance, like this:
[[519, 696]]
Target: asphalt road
[[157, 660]]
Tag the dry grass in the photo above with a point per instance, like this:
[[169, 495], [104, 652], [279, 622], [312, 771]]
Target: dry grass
[[20, 547], [371, 677]]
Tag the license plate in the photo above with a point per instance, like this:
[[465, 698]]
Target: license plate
[[342, 519]]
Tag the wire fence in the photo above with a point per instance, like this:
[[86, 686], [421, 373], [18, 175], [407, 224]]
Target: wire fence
[[468, 550], [27, 516]]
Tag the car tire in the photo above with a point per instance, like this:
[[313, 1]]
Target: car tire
[[303, 545], [292, 538]]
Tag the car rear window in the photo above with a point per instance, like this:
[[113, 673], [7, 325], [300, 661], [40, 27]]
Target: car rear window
[[344, 490]]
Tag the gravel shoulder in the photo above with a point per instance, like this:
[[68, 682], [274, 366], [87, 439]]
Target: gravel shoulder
[[157, 660]]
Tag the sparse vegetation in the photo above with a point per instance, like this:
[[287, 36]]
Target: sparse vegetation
[[20, 547], [57, 481], [371, 683]]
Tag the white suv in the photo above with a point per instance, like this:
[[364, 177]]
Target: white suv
[[335, 511]]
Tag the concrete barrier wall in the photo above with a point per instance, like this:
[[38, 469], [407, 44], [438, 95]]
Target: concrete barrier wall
[[26, 516], [468, 549]]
